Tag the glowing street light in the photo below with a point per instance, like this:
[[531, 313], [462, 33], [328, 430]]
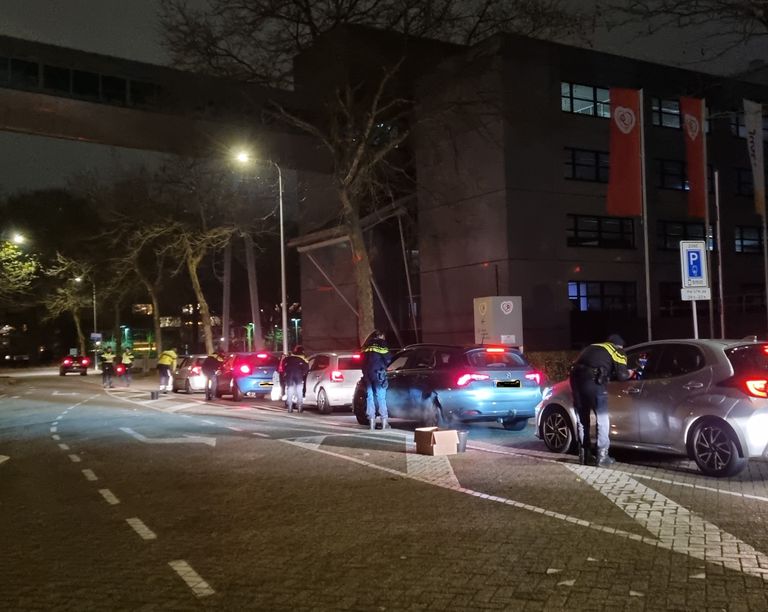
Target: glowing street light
[[18, 238], [243, 157]]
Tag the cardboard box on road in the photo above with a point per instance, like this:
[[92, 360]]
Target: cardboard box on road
[[434, 441]]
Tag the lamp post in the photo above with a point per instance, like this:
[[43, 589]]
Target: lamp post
[[244, 158], [79, 279], [296, 329]]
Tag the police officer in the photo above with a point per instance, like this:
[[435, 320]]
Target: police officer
[[375, 359], [593, 368], [107, 367], [211, 364], [127, 360], [295, 368], [166, 364]]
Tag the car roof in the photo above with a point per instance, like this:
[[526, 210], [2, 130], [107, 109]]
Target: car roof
[[458, 347], [712, 343]]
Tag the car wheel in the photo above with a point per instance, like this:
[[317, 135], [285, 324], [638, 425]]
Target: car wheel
[[515, 424], [323, 404], [216, 391], [236, 395], [61, 372], [715, 450], [556, 430], [84, 373], [433, 413]]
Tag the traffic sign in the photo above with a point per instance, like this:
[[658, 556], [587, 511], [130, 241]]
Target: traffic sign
[[691, 294], [693, 264], [96, 336]]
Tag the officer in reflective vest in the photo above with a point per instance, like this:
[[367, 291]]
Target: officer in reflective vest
[[593, 368], [127, 360], [107, 367], [166, 364]]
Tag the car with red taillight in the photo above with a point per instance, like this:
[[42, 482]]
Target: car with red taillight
[[705, 399], [77, 364], [247, 375], [188, 376], [438, 384], [331, 380]]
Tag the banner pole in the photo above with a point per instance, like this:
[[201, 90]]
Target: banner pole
[[646, 251], [719, 243]]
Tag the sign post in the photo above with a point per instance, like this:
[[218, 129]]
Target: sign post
[[693, 266]]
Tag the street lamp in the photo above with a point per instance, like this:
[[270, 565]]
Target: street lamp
[[296, 329], [79, 279], [18, 238], [244, 158]]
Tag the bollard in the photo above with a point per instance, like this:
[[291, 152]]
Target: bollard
[[153, 395], [463, 434]]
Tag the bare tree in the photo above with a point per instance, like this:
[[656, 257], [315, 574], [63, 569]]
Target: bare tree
[[67, 295], [364, 125]]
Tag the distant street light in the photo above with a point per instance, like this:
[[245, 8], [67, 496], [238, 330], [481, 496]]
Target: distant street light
[[18, 238], [244, 158]]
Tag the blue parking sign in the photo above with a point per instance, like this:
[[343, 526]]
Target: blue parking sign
[[694, 264]]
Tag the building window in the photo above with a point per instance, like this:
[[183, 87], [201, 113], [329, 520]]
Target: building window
[[585, 100], [4, 69], [665, 113], [603, 296], [673, 175], [56, 79], [748, 239], [585, 165], [113, 89], [738, 128], [24, 74], [144, 94], [85, 84], [744, 184], [752, 297], [670, 302], [601, 232], [672, 232]]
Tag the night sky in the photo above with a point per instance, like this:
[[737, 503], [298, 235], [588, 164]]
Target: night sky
[[128, 28]]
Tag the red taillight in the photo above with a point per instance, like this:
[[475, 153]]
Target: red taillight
[[120, 368], [495, 349], [195, 370], [356, 356], [85, 361], [534, 376], [337, 376], [757, 387], [245, 369], [262, 355], [465, 379], [67, 361]]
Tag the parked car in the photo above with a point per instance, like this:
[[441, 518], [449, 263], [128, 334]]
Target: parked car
[[705, 399], [332, 379], [189, 374], [438, 384], [77, 364], [246, 375]]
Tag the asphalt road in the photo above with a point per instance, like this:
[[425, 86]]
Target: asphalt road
[[111, 501]]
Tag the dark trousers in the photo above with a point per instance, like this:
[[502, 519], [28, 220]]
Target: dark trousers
[[589, 397]]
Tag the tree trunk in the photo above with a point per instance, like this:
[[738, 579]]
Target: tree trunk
[[155, 309], [79, 328], [205, 313], [362, 268], [116, 331]]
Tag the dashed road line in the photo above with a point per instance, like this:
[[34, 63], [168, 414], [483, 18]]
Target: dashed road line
[[56, 437], [54, 429], [109, 497], [90, 475], [194, 581], [208, 422], [64, 447], [139, 527], [261, 435], [235, 428], [74, 458]]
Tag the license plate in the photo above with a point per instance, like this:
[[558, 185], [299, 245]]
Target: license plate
[[507, 383], [265, 384]]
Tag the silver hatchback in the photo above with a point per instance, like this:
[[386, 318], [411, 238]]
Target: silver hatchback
[[705, 399], [331, 380]]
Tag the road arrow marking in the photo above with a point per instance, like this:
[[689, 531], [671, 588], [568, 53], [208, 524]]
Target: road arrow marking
[[187, 439]]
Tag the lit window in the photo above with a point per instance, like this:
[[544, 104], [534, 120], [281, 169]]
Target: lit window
[[738, 128], [665, 113], [601, 232], [585, 100], [748, 239], [603, 296], [672, 232]]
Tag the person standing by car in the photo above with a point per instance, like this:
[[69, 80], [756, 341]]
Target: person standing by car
[[166, 364], [107, 367], [593, 368], [211, 365], [375, 359], [127, 360], [295, 368]]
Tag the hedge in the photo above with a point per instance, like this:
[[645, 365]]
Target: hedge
[[554, 364]]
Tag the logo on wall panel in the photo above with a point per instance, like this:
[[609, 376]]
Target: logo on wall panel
[[625, 119], [482, 308], [506, 307], [691, 126]]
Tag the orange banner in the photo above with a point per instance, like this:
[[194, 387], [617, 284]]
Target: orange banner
[[692, 119], [625, 180]]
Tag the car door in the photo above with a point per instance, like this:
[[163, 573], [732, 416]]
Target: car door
[[681, 375], [397, 384], [318, 369], [625, 398]]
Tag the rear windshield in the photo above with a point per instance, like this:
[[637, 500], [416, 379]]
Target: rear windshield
[[749, 358], [481, 358], [270, 361], [348, 363]]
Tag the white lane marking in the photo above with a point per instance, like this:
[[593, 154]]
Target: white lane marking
[[89, 475], [310, 442], [261, 435], [15, 397], [187, 439], [552, 570], [74, 458], [64, 446], [4, 458], [691, 485], [54, 429], [568, 583], [194, 581], [435, 469], [208, 422], [109, 497], [235, 428], [57, 393], [182, 407], [672, 526], [56, 437], [635, 594], [139, 527]]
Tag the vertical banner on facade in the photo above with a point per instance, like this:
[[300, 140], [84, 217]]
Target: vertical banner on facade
[[753, 121], [625, 178], [692, 116]]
